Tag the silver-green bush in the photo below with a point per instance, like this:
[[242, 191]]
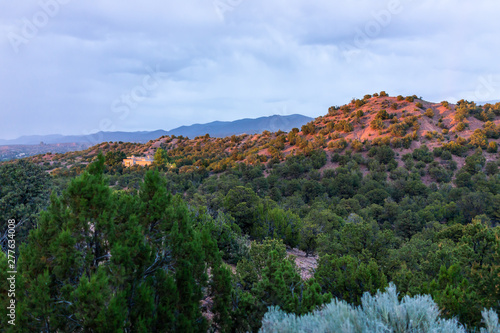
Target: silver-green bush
[[490, 318], [382, 313]]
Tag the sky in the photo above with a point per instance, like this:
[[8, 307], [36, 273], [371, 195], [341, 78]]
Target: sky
[[76, 67]]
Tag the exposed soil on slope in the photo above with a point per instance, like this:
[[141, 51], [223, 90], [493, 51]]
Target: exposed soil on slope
[[306, 265]]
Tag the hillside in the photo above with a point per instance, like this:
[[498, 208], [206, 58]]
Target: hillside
[[275, 230], [403, 123]]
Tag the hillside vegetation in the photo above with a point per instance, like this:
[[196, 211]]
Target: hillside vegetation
[[403, 123], [386, 192]]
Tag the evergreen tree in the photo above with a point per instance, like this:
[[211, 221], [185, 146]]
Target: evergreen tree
[[93, 265], [24, 192], [348, 278], [160, 158]]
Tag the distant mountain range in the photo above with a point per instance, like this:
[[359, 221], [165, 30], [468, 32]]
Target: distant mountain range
[[214, 129], [248, 126]]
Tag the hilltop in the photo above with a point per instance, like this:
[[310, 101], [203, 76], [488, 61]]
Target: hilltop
[[403, 123]]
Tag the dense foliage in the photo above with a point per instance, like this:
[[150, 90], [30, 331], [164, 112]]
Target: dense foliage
[[198, 241], [24, 192]]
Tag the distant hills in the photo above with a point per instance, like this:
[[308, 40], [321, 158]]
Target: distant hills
[[242, 126], [91, 139], [214, 129]]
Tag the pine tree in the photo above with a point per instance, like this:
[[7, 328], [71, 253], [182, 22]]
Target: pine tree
[[166, 300], [69, 243], [105, 261], [267, 279], [221, 287], [190, 274], [95, 306]]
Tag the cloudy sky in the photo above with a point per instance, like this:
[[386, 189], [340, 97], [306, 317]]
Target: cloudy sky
[[77, 67]]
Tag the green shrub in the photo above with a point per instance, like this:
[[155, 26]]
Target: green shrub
[[332, 110], [409, 99], [400, 98], [377, 124], [423, 154], [492, 131], [456, 147], [347, 277], [230, 241], [359, 103], [440, 174], [446, 155], [345, 109], [398, 129], [344, 126], [491, 168], [382, 114], [384, 154], [460, 127], [357, 145], [340, 144], [278, 224], [396, 142], [308, 128], [429, 113], [479, 139], [492, 147]]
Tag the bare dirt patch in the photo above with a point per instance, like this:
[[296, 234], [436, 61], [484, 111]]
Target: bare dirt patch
[[306, 265]]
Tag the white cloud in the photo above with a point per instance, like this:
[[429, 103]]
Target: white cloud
[[259, 58]]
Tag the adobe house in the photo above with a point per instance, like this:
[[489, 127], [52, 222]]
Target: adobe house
[[142, 161]]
